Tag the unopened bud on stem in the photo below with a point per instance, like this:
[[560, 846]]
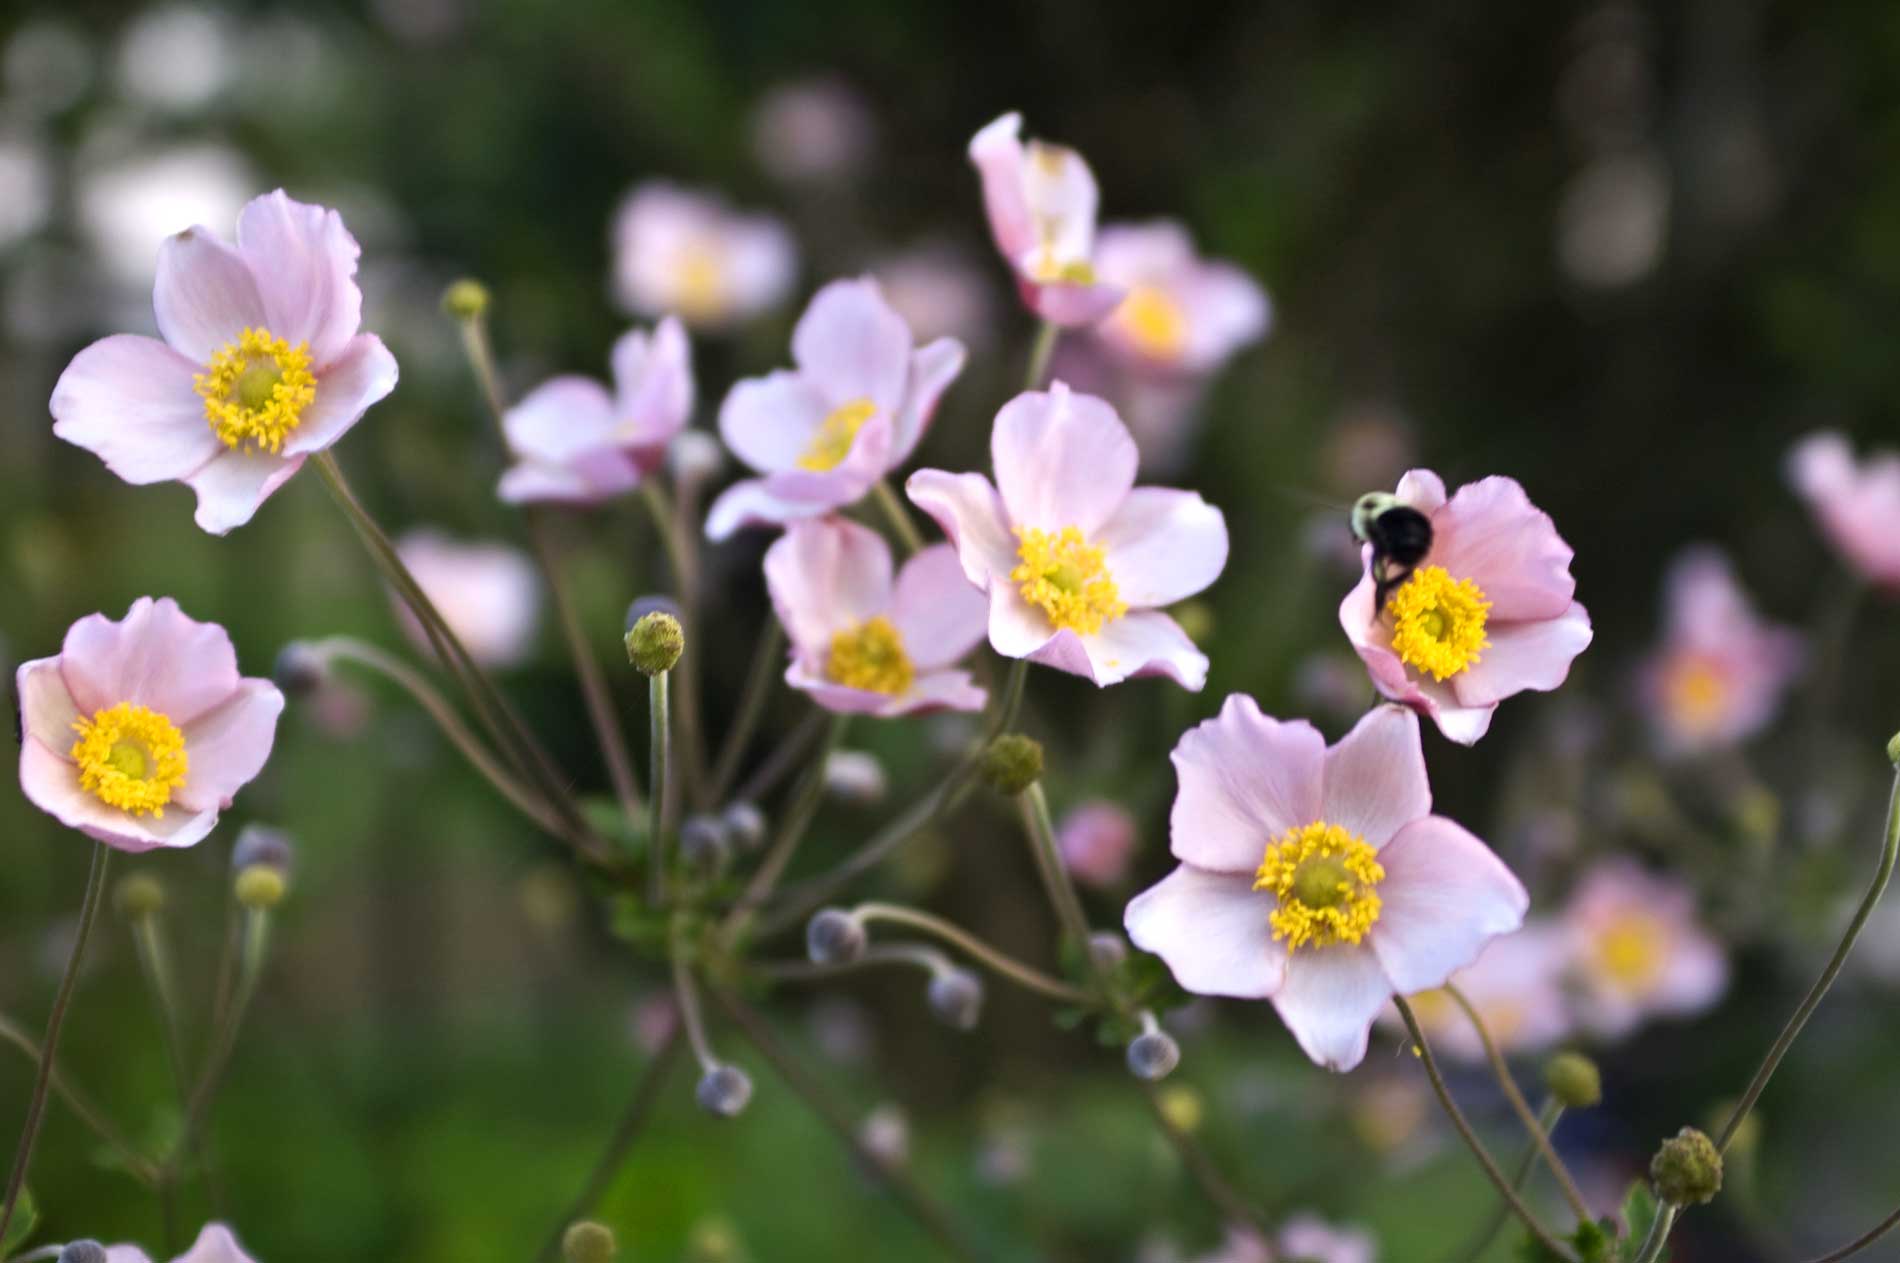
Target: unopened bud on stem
[[588, 1242], [466, 299], [299, 669], [724, 1091], [1011, 763], [956, 997], [1687, 1170], [835, 937], [139, 895], [1573, 1079], [261, 887], [655, 644], [1153, 1055]]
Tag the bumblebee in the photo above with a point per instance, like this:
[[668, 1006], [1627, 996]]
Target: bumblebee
[[1400, 536]]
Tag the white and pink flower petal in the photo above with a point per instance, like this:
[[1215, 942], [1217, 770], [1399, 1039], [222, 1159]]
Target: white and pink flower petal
[[130, 401], [1374, 781], [155, 656], [850, 345], [1062, 459], [1245, 779], [304, 260], [51, 783], [1211, 929], [204, 294], [1329, 1000], [1445, 895], [936, 609], [1163, 546], [1491, 533], [1145, 642], [1520, 656], [360, 375], [229, 745], [970, 512], [234, 484], [932, 369], [824, 576], [769, 421]]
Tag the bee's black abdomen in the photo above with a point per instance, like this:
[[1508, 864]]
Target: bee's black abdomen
[[1403, 534]]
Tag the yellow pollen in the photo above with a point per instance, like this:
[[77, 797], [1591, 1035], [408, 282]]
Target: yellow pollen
[[871, 656], [1052, 271], [1696, 691], [256, 389], [1154, 322], [1068, 578], [835, 435], [700, 290], [1325, 879], [1438, 622], [1630, 950], [130, 757]]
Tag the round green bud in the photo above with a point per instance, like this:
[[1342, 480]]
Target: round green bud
[[467, 299], [1687, 1170], [1012, 763], [261, 886], [588, 1242], [138, 895], [655, 643], [1574, 1080]]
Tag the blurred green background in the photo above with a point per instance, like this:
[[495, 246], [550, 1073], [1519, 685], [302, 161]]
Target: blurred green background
[[1623, 253]]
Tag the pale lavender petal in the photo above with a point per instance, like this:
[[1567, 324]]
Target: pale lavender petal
[[126, 1254], [155, 656], [304, 260], [1245, 780], [1491, 533], [1163, 546], [1329, 999], [864, 463], [653, 382], [130, 401], [228, 745], [971, 513], [1535, 655], [1145, 642], [362, 373], [825, 576], [233, 485], [51, 783], [1021, 630], [1212, 930], [934, 691], [1694, 974], [997, 151], [1070, 304], [204, 294], [938, 611], [932, 369], [753, 502], [850, 345], [47, 709], [1444, 896], [600, 475], [560, 419], [770, 421], [1375, 782], [1422, 490], [215, 1245], [1062, 459]]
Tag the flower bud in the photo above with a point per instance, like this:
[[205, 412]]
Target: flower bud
[[1573, 1079], [724, 1091], [1153, 1055], [956, 997], [261, 887], [655, 643], [259, 844], [466, 299], [835, 937], [1012, 763], [1107, 949], [694, 456], [745, 825], [299, 669], [703, 844], [138, 895], [588, 1242], [855, 776], [87, 1251], [1687, 1170]]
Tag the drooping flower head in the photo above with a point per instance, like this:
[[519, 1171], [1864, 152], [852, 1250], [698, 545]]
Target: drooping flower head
[[1041, 201], [1637, 950], [1488, 612], [1857, 503], [1517, 987], [1097, 839], [1317, 877], [486, 592], [215, 1244], [573, 441], [863, 643], [261, 363], [1076, 559], [141, 731], [1721, 671], [1183, 315], [681, 251], [823, 432]]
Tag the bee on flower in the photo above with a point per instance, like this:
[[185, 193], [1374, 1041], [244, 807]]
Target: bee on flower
[[682, 251]]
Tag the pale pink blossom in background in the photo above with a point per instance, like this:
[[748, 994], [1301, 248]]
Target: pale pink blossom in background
[[141, 731], [1241, 1245], [854, 409], [1494, 596], [261, 363], [812, 130], [1386, 898], [1638, 950], [1097, 839], [1076, 559], [572, 440], [487, 593], [1856, 502], [680, 251], [215, 1244], [1041, 201], [1163, 411], [1309, 1239], [1182, 315], [1517, 987], [1721, 671], [939, 292], [863, 642]]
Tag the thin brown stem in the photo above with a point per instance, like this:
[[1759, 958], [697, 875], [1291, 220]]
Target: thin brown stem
[[1861, 1242], [997, 961], [758, 688]]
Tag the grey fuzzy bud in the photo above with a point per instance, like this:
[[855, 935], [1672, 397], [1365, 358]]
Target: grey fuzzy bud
[[260, 846], [299, 669], [703, 844], [1153, 1055], [834, 937], [745, 825], [724, 1091], [1107, 949], [87, 1251], [956, 997]]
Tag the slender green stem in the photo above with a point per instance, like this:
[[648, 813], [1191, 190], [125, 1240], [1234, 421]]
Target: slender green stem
[[1547, 1119], [660, 733], [82, 1106], [1009, 702], [681, 555], [154, 964], [55, 1024], [251, 958], [914, 955], [686, 997], [1652, 1246], [758, 689], [897, 516], [1234, 1208], [1521, 1107], [1055, 874], [1039, 352], [997, 961], [1470, 1137], [798, 818], [1861, 1242]]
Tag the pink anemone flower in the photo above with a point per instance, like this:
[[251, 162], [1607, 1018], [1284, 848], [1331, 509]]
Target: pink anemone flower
[[1489, 612], [853, 410], [1097, 840], [215, 1244], [863, 643], [1721, 671], [140, 732], [1638, 950], [1857, 503], [1076, 558], [573, 441], [261, 363], [1317, 877], [1041, 200], [680, 250], [1183, 315]]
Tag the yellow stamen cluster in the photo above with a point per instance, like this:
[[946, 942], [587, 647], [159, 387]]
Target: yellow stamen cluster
[[832, 441], [871, 656], [1068, 578], [1630, 950], [256, 389], [1696, 691], [1154, 322], [130, 757], [1438, 622], [700, 289], [1052, 271], [1325, 879]]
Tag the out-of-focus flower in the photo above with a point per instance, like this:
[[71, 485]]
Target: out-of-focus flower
[[885, 1135], [1488, 612], [141, 731], [1613, 222], [939, 292], [486, 592], [863, 643], [1241, 1245], [812, 130], [685, 252], [177, 57], [1360, 892], [857, 777], [130, 206], [1517, 987], [1076, 559], [1310, 1239], [215, 1244], [1856, 502], [1720, 671], [261, 363], [853, 410], [1041, 201], [1183, 314], [574, 441], [1637, 949], [27, 179], [1097, 839]]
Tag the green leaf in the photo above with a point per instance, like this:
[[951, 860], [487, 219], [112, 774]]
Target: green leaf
[[1639, 1216], [26, 1217]]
